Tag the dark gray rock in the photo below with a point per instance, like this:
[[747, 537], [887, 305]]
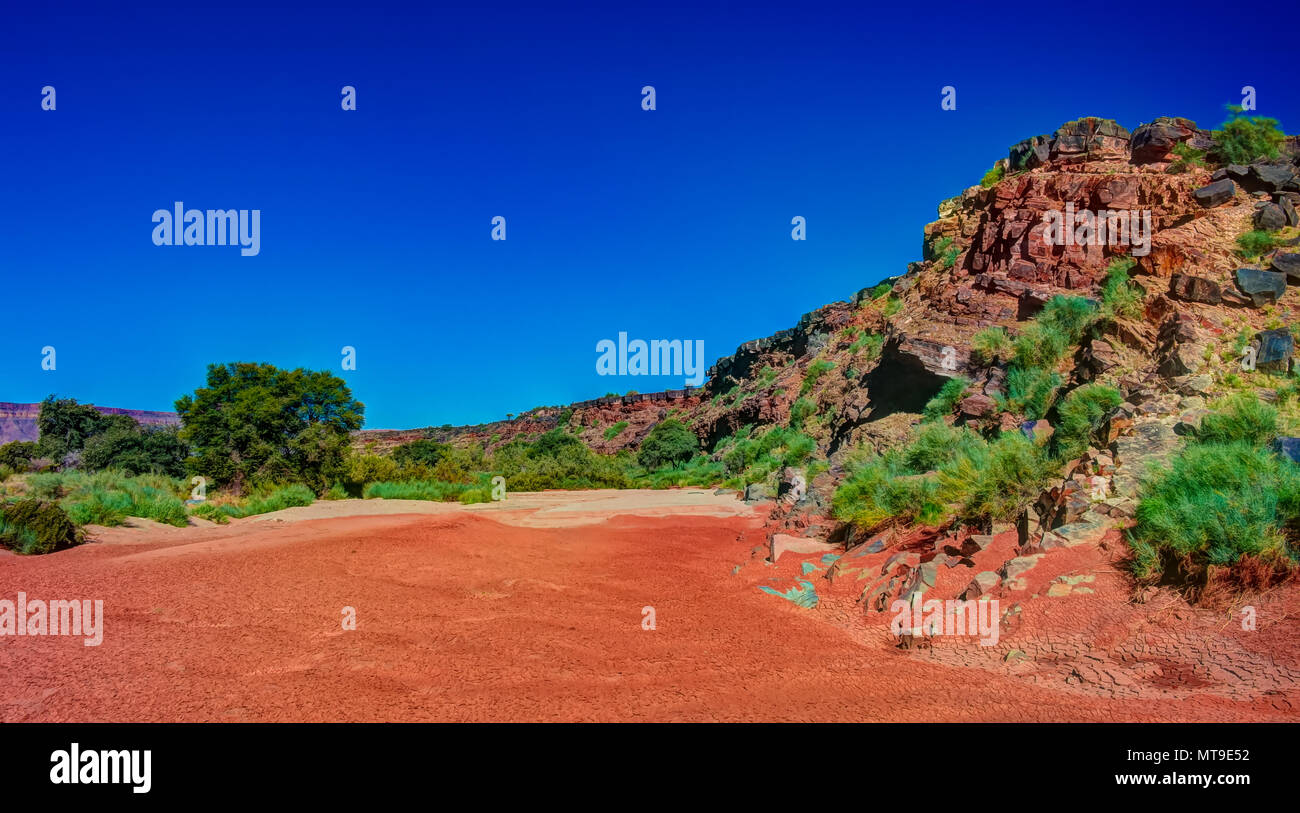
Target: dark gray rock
[[1288, 448], [1030, 153], [1272, 177], [1274, 349], [756, 493], [1288, 210], [1263, 287], [1288, 264], [1270, 217], [1216, 193], [1156, 141]]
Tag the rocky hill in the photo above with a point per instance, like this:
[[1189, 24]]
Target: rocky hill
[[870, 364]]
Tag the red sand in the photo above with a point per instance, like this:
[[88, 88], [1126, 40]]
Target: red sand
[[460, 617]]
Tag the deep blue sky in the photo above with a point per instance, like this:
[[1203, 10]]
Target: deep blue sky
[[376, 223]]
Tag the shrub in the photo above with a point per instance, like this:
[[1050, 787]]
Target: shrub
[[800, 411], [945, 473], [946, 400], [990, 344], [18, 455], [417, 490], [1080, 414], [815, 371], [274, 500], [615, 430], [1186, 158], [1011, 477], [1245, 139], [993, 176], [371, 468], [1119, 297], [871, 344], [1241, 418], [34, 526], [750, 460], [1032, 379], [1215, 504], [1030, 391], [426, 452], [670, 442]]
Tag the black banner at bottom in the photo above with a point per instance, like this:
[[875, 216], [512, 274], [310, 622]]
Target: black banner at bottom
[[136, 763]]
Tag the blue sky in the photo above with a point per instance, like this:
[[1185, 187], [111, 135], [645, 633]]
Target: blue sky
[[375, 225]]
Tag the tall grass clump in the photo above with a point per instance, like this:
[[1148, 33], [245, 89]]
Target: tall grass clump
[[1226, 496], [1080, 414]]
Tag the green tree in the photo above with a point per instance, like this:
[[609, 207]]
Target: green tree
[[137, 450], [258, 423], [66, 425], [428, 452], [670, 442]]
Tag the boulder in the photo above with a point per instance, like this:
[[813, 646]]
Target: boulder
[[922, 579], [792, 486], [1090, 139], [1288, 264], [1087, 530], [977, 406], [1263, 287], [1030, 153], [780, 543], [1270, 177], [1156, 141], [1270, 217], [1194, 289], [982, 585], [756, 493], [1038, 431], [1274, 349], [1288, 210], [1288, 448], [1216, 193]]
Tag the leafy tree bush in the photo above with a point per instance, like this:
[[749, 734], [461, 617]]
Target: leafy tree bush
[[137, 450], [257, 423], [66, 425], [1245, 139], [615, 430], [18, 455], [428, 452], [670, 442]]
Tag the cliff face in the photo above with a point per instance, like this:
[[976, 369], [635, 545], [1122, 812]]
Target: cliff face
[[18, 421], [868, 365]]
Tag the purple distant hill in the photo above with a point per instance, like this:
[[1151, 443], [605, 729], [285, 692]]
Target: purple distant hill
[[18, 421]]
